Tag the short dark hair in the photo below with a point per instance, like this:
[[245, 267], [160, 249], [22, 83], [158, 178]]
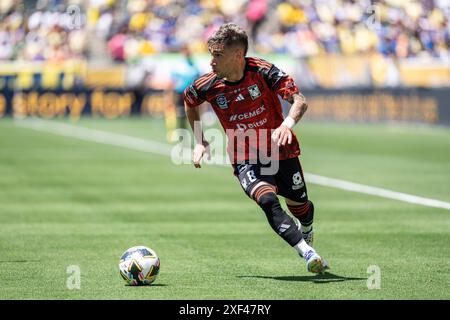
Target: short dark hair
[[230, 34]]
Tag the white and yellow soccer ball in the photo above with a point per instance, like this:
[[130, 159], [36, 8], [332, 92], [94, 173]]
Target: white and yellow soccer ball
[[139, 266]]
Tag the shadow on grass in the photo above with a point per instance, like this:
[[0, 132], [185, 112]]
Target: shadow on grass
[[147, 285], [319, 278]]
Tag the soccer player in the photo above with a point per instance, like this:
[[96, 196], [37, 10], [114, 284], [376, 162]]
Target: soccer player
[[243, 91]]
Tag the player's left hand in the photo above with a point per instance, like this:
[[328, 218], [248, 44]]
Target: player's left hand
[[281, 135]]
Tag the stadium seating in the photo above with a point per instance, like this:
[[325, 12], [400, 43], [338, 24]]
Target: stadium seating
[[38, 30], [334, 43]]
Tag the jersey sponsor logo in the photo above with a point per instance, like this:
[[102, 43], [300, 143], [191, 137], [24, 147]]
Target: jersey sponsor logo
[[253, 125], [222, 102], [297, 181], [254, 91], [247, 115]]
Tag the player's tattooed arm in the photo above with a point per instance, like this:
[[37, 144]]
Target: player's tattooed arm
[[299, 106], [283, 133]]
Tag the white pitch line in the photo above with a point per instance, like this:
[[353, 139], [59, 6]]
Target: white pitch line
[[109, 138], [94, 135], [374, 191]]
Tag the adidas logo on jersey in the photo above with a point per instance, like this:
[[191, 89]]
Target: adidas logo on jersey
[[240, 97]]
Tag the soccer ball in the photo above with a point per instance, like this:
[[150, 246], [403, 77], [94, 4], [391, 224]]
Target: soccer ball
[[139, 266]]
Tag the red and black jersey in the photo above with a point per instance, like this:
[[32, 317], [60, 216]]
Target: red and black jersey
[[248, 108]]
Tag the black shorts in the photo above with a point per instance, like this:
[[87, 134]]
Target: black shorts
[[288, 179]]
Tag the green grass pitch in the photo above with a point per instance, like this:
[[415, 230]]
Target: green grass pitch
[[68, 202]]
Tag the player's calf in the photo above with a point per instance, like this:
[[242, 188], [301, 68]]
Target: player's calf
[[279, 220], [285, 226], [304, 212]]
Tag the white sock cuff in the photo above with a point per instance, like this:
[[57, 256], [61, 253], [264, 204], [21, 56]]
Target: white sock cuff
[[302, 247]]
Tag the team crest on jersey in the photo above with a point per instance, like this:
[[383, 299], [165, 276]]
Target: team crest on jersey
[[222, 102], [254, 91]]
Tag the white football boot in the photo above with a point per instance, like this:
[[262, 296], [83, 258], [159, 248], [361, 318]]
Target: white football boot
[[315, 263]]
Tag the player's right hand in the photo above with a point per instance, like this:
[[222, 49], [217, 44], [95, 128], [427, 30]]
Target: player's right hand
[[282, 135], [199, 151]]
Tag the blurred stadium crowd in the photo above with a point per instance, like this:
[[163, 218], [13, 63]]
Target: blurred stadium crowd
[[45, 30], [115, 56]]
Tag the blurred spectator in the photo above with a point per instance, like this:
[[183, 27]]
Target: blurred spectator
[[183, 75], [116, 45], [256, 13]]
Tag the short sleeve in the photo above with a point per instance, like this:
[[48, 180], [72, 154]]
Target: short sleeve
[[283, 84], [192, 96]]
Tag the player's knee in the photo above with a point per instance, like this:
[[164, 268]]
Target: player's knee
[[272, 208], [271, 205], [278, 219], [264, 194], [268, 202]]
